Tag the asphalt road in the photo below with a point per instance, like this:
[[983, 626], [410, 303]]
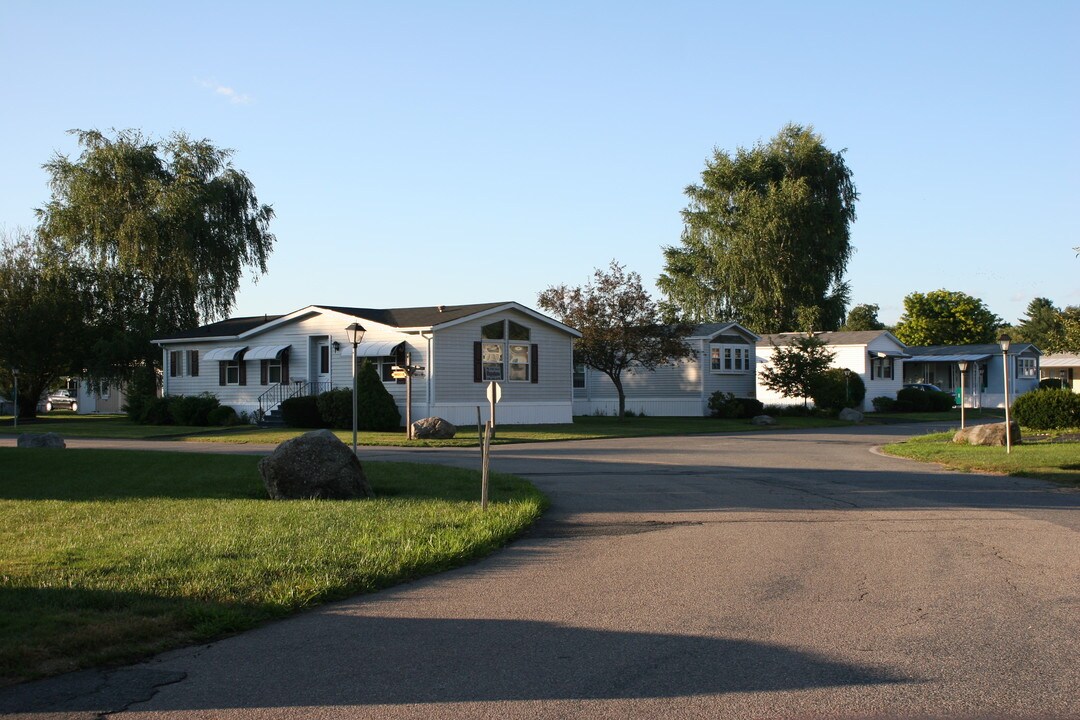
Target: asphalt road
[[773, 574]]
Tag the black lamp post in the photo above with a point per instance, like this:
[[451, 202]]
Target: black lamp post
[[15, 375], [356, 335], [963, 400], [1004, 341]]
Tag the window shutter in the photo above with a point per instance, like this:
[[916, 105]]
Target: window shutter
[[871, 368], [221, 372], [194, 363], [477, 362], [535, 363], [285, 366], [262, 372], [243, 371], [173, 355]]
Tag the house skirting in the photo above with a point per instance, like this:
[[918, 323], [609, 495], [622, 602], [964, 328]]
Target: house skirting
[[652, 407]]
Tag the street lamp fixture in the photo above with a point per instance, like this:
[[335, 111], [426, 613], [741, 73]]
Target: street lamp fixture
[[963, 365], [1005, 341], [355, 333]]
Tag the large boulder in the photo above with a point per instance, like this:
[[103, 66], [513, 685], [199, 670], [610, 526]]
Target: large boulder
[[762, 420], [314, 465], [43, 440], [991, 434], [851, 415], [433, 428]]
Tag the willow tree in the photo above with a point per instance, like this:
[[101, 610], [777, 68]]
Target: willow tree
[[765, 237], [170, 227]]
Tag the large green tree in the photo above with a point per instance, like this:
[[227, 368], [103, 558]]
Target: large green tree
[[45, 317], [1043, 324], [169, 225], [945, 317], [863, 317], [619, 323], [796, 369], [765, 234]]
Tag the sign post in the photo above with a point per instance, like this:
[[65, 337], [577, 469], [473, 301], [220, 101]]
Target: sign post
[[406, 372], [494, 395]]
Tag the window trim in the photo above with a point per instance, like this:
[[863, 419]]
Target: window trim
[[729, 358], [1026, 368], [231, 365]]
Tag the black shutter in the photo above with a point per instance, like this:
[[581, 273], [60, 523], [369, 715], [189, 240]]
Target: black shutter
[[173, 355], [262, 372], [243, 371], [477, 362], [194, 363], [285, 366], [535, 364], [871, 368], [221, 372]]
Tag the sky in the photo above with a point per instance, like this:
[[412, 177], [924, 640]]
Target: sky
[[430, 153]]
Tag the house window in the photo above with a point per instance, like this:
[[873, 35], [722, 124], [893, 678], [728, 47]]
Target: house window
[[232, 372], [273, 371], [193, 363], [882, 368], [494, 331], [492, 357], [174, 363], [579, 376], [1025, 367], [519, 362], [729, 358]]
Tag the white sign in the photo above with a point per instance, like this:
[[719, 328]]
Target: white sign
[[494, 392]]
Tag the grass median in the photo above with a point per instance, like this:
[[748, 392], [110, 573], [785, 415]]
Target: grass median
[[1055, 461], [108, 556]]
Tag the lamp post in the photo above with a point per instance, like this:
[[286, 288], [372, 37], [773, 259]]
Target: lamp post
[[15, 374], [356, 334], [847, 386], [963, 400], [1004, 341]]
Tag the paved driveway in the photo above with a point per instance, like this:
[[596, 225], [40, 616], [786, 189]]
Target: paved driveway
[[774, 574]]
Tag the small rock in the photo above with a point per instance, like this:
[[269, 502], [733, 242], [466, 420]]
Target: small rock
[[762, 420], [992, 434], [433, 428], [851, 415], [43, 440], [314, 465]]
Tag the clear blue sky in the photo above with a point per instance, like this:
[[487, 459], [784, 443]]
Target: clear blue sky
[[442, 153]]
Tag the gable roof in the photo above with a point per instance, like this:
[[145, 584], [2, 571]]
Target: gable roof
[[416, 318], [839, 337], [711, 330], [932, 352]]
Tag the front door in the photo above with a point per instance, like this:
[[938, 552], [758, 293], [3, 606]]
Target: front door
[[322, 365]]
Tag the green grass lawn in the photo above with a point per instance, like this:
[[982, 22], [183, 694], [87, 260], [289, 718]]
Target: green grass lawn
[[583, 428], [1059, 462], [108, 556]]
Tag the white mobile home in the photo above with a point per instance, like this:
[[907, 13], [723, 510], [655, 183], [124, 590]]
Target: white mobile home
[[722, 360], [254, 363]]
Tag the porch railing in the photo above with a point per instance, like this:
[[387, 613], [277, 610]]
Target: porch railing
[[278, 394]]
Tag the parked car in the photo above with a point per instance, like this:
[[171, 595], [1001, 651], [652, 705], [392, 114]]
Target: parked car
[[61, 400], [922, 386]]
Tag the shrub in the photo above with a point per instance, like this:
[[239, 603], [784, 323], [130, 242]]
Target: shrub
[[727, 405], [301, 412], [1051, 384], [1047, 409], [157, 411], [787, 410], [918, 400], [377, 410], [884, 404], [193, 409], [222, 415], [335, 408], [835, 390]]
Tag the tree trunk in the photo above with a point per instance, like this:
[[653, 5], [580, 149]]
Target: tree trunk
[[617, 381]]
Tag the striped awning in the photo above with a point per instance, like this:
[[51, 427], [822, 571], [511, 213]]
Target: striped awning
[[226, 354], [265, 352], [376, 348]]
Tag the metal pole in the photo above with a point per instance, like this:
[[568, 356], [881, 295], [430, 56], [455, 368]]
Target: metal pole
[[963, 399], [1008, 427], [486, 467], [408, 396], [16, 376], [354, 398]]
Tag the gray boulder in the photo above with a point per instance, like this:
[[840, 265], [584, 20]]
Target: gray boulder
[[314, 465], [851, 415], [44, 440], [433, 428], [762, 420], [992, 434]]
